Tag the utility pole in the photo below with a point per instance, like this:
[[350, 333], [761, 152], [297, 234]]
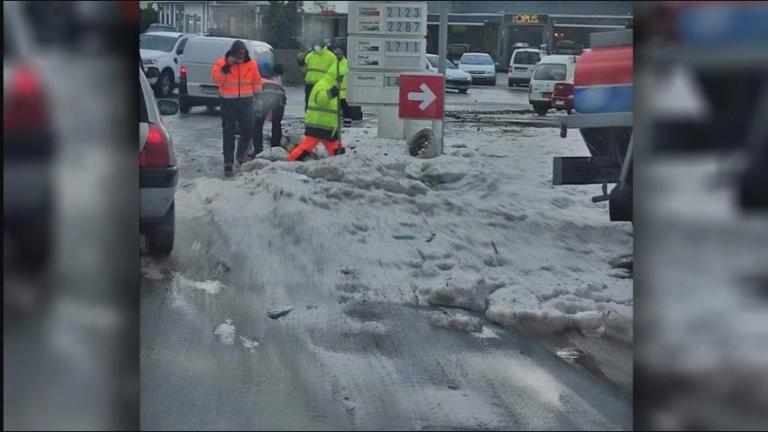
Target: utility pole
[[443, 56]]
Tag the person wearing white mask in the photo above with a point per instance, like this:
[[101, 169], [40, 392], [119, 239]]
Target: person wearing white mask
[[317, 63]]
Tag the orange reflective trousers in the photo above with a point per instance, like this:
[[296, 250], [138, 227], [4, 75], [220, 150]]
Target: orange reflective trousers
[[309, 143]]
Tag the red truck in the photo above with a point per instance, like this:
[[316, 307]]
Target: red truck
[[602, 95]]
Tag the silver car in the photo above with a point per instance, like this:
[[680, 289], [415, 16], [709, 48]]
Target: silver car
[[455, 79], [158, 172]]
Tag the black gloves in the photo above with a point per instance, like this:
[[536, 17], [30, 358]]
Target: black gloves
[[225, 69], [334, 92]]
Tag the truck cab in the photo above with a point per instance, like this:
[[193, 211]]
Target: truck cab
[[604, 105]]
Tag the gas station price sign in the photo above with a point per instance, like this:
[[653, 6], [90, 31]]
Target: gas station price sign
[[397, 19]]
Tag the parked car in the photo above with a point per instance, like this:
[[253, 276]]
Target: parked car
[[28, 141], [162, 51], [551, 69], [158, 172], [197, 87], [480, 66], [157, 27], [455, 79], [521, 65]]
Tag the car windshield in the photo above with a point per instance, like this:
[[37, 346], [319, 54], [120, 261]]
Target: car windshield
[[476, 60], [526, 57], [434, 63], [154, 42], [550, 72]]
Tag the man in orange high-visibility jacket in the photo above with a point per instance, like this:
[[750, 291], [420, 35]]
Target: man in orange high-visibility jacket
[[239, 79]]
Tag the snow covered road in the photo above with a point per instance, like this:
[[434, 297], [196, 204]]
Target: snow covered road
[[452, 293]]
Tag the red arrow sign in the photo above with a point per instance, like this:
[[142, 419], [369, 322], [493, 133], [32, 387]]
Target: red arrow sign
[[422, 96]]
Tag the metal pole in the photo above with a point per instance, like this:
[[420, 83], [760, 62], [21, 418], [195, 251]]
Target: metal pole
[[443, 57]]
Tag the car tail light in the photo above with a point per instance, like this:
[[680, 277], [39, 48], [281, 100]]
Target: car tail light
[[25, 108], [183, 80], [563, 90], [155, 151]]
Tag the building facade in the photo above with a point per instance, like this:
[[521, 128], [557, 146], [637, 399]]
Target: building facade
[[498, 27], [240, 18]]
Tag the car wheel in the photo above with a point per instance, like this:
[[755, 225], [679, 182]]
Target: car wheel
[[511, 83], [184, 106], [463, 91], [164, 86], [160, 235]]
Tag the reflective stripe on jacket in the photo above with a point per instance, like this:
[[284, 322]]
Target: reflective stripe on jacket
[[242, 80], [322, 119]]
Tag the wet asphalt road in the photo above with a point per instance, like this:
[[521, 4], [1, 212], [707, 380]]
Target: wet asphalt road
[[327, 366]]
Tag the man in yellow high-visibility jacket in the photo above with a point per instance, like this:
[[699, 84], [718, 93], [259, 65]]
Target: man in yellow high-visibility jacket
[[317, 63], [321, 119]]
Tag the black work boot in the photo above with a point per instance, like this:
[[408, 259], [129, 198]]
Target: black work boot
[[228, 172]]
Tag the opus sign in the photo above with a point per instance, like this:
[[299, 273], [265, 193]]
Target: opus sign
[[525, 19]]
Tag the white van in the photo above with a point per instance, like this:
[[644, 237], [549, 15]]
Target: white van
[[521, 65], [197, 88], [551, 69]]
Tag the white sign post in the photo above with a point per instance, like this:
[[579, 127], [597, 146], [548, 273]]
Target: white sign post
[[385, 39]]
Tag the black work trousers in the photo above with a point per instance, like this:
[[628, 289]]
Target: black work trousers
[[277, 131], [236, 116], [307, 91]]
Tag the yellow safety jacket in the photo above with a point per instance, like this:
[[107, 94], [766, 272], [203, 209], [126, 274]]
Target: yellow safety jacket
[[318, 64], [322, 117]]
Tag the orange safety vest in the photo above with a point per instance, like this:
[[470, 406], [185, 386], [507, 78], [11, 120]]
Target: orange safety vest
[[242, 80]]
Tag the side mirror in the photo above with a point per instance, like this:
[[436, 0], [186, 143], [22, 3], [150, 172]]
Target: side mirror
[[277, 70], [179, 50], [168, 107]]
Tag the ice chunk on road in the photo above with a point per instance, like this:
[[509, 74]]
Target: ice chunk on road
[[273, 154], [226, 332], [249, 344], [456, 321], [278, 311], [464, 291], [211, 287]]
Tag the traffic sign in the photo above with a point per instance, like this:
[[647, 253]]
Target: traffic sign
[[422, 96]]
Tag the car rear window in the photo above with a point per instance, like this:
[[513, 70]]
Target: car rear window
[[527, 58], [476, 59], [199, 50], [151, 41], [550, 72]]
